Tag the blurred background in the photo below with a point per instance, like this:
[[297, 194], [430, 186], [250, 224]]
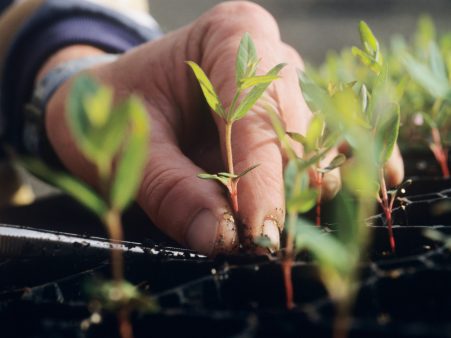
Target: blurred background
[[315, 26]]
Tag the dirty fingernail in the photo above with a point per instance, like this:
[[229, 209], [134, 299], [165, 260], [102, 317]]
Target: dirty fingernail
[[271, 230], [202, 231]]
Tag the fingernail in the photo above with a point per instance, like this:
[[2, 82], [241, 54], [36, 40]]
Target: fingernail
[[202, 231], [271, 230]]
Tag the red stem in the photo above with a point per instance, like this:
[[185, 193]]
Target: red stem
[[287, 265], [319, 183], [387, 210], [440, 152]]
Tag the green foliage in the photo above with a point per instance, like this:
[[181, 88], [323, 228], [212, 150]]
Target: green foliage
[[208, 90], [249, 89], [74, 187], [133, 156], [105, 134], [114, 296]]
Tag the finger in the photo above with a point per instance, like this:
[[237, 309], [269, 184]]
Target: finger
[[194, 212], [394, 168]]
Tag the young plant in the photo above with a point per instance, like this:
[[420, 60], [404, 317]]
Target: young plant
[[249, 88], [434, 76], [116, 140], [381, 115], [300, 197], [317, 143], [339, 254]]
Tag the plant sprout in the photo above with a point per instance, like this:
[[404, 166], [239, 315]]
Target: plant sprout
[[249, 88], [434, 77], [382, 116], [115, 139], [299, 195], [317, 143]]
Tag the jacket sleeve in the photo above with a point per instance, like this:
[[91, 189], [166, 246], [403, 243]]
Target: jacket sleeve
[[33, 30]]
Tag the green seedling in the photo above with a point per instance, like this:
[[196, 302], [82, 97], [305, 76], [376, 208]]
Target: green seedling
[[115, 139], [433, 75], [381, 114], [300, 197], [317, 143], [338, 255], [249, 88]]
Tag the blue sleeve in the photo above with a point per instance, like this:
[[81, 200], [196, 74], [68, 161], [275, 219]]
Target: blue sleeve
[[54, 25]]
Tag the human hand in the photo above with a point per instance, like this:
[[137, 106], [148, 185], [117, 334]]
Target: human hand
[[185, 134]]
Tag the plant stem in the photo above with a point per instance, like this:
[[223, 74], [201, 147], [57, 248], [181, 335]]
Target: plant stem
[[229, 156], [114, 226], [319, 183], [287, 263], [342, 321], [440, 152], [387, 210]]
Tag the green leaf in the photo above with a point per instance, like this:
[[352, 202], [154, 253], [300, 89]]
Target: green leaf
[[223, 180], [69, 184], [248, 82], [254, 95], [426, 78], [425, 33], [436, 63], [290, 173], [387, 135], [316, 98], [77, 117], [367, 59], [208, 90], [337, 162], [364, 97], [324, 247], [134, 155], [246, 60], [302, 202], [314, 133], [98, 106], [368, 39], [244, 172], [298, 138]]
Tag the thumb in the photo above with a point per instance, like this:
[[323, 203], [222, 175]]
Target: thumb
[[190, 210]]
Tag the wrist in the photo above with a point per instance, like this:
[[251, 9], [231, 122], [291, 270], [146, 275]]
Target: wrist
[[64, 55]]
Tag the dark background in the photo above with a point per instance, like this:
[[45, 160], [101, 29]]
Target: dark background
[[315, 26]]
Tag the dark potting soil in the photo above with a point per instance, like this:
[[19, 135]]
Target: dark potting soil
[[43, 285]]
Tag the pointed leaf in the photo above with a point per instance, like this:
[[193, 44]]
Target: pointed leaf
[[387, 134], [426, 78], [326, 248], [436, 62], [315, 131], [366, 59], [248, 82], [223, 180], [298, 138], [208, 90], [302, 202], [244, 172], [337, 162], [254, 95], [134, 156], [246, 60], [368, 39], [98, 106], [67, 183]]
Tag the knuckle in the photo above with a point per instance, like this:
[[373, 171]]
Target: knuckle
[[247, 16]]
